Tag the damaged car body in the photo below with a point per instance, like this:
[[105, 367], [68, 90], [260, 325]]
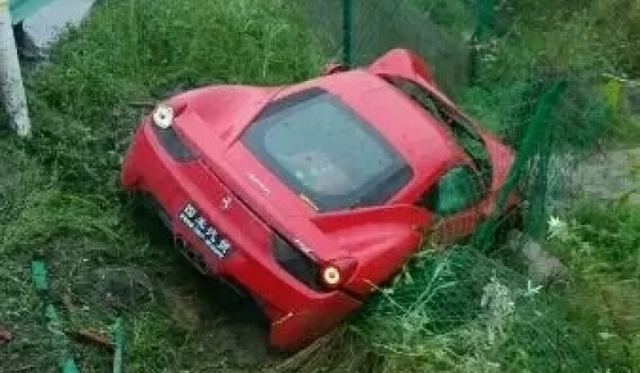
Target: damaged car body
[[310, 195]]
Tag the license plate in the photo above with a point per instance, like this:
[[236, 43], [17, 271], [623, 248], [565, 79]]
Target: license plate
[[205, 231]]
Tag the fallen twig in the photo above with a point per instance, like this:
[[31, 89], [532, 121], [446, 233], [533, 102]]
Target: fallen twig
[[24, 368], [142, 104], [93, 337], [5, 335]]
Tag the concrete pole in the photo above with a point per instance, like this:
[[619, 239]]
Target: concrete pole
[[11, 77]]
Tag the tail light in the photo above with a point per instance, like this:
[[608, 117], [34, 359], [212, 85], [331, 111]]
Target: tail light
[[295, 262], [337, 272], [331, 276], [317, 276]]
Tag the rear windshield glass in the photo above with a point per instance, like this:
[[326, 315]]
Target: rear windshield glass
[[325, 152]]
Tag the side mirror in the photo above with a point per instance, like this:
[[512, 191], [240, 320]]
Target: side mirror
[[332, 68]]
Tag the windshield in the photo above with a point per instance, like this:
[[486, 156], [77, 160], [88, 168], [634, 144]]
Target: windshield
[[325, 152]]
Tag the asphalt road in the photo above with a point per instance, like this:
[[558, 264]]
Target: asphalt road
[[45, 25]]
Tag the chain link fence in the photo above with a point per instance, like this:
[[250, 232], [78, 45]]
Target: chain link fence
[[375, 26], [493, 303]]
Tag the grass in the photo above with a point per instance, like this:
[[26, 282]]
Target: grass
[[60, 197], [603, 246], [60, 201], [527, 46], [431, 318], [462, 311]]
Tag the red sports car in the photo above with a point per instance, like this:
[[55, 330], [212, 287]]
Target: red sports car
[[307, 196]]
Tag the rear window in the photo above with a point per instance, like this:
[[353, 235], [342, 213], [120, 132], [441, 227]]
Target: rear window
[[325, 152]]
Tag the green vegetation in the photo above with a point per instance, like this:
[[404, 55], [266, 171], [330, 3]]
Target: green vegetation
[[602, 242], [467, 311], [59, 191], [524, 46], [462, 311], [458, 310]]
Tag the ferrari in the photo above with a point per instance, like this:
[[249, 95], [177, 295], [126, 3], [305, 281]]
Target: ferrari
[[309, 196]]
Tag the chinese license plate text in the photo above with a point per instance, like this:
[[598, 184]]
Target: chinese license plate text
[[199, 225]]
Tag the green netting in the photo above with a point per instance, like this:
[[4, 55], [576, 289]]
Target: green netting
[[458, 311], [377, 25], [469, 313], [501, 301]]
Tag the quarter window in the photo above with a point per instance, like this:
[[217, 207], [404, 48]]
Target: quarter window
[[458, 189]]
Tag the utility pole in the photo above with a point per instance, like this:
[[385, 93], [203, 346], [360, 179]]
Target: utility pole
[[11, 85]]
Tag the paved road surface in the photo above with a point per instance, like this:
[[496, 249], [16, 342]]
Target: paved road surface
[[45, 25]]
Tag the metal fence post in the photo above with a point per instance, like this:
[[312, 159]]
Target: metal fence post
[[11, 77], [485, 14], [347, 25], [531, 147]]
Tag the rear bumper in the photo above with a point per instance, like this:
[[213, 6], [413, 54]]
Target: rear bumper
[[295, 329], [297, 314]]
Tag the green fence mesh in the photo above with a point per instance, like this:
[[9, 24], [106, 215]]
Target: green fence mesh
[[378, 25], [492, 303]]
